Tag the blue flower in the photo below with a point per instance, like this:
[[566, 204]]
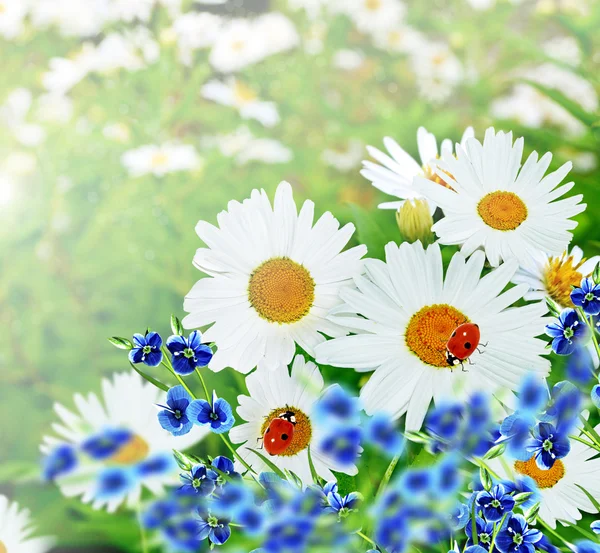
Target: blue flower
[[533, 395], [565, 405], [595, 395], [446, 476], [545, 545], [566, 332], [336, 403], [183, 535], [587, 296], [200, 480], [114, 482], [495, 503], [343, 445], [61, 460], [188, 353], [547, 445], [516, 431], [484, 530], [445, 421], [107, 443], [474, 549], [159, 514], [342, 505], [391, 533], [381, 432], [146, 349], [174, 418], [595, 526], [587, 546], [225, 465], [516, 537], [460, 516], [215, 528], [161, 463], [524, 484], [218, 415], [288, 534], [251, 519], [231, 499], [415, 482], [580, 366], [478, 412]]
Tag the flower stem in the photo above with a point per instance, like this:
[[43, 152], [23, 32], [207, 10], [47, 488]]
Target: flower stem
[[555, 534], [366, 538], [143, 542], [585, 442], [497, 529], [388, 474], [208, 398], [589, 323]]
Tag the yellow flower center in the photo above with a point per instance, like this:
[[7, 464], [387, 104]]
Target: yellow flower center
[[2, 546], [429, 330], [543, 478], [431, 175], [302, 430], [159, 159], [238, 45], [281, 290], [559, 275], [502, 210], [373, 5], [134, 451], [243, 93]]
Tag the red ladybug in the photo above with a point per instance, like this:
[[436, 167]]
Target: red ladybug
[[462, 343], [279, 434]]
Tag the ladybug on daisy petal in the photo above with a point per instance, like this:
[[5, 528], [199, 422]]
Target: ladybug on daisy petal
[[279, 434], [462, 343]]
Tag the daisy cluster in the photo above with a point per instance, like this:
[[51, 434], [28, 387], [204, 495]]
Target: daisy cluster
[[444, 336]]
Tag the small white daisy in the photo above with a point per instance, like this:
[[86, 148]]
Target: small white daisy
[[273, 277], [398, 169], [373, 16], [555, 276], [235, 93], [194, 31], [16, 529], [344, 159], [12, 18], [561, 498], [273, 393], [127, 407], [160, 159], [494, 203], [404, 313]]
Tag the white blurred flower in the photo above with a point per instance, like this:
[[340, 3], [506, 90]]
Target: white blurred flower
[[314, 39], [533, 108], [194, 31], [130, 51], [54, 108], [373, 16], [160, 159], [437, 69], [19, 164], [71, 17], [401, 38], [244, 148], [119, 132], [16, 529], [576, 7], [313, 8], [243, 42], [7, 189], [130, 10], [348, 60], [64, 73], [584, 162], [237, 94], [347, 159], [563, 48], [12, 17], [14, 113], [482, 4]]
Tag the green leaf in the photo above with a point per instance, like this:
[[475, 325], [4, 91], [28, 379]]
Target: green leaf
[[150, 379], [294, 478], [596, 274], [182, 460], [532, 514], [495, 451], [121, 343], [272, 466], [176, 326], [569, 105], [373, 231], [417, 437], [486, 479], [593, 500], [313, 471], [423, 459], [522, 497], [553, 307]]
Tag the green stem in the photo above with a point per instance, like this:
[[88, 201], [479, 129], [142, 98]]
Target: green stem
[[556, 535], [208, 397], [482, 463], [497, 528], [585, 442], [366, 538], [143, 542], [590, 325], [388, 474], [585, 533]]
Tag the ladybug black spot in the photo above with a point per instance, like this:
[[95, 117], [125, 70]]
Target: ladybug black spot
[[284, 437], [467, 345]]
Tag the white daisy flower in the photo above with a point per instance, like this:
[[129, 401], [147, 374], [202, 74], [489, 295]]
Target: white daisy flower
[[12, 18], [555, 276], [398, 169], [344, 159], [273, 277], [404, 313], [127, 408], [160, 159], [373, 16], [498, 205], [561, 497], [271, 394], [237, 94], [16, 530], [194, 31], [400, 38]]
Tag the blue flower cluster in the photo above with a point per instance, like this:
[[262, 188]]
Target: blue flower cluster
[[540, 425], [182, 412]]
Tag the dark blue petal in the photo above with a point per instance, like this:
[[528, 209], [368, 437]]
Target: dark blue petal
[[154, 358], [203, 355], [176, 343], [136, 355], [182, 365], [153, 339]]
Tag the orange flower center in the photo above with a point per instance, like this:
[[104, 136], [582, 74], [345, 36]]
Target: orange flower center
[[429, 330], [2, 546], [543, 478], [281, 290], [302, 430], [431, 175], [134, 451], [373, 5], [559, 275], [159, 159], [502, 210]]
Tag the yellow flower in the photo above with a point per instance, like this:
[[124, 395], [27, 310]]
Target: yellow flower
[[415, 221]]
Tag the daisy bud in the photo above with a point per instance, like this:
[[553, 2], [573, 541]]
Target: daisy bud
[[415, 221]]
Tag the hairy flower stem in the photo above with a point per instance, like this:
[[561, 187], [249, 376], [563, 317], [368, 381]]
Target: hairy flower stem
[[386, 477]]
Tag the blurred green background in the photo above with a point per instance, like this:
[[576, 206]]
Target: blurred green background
[[88, 251]]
